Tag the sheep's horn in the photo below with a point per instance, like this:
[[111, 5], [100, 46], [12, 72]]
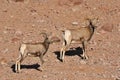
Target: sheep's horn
[[44, 35]]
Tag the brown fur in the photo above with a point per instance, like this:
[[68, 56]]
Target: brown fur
[[80, 35], [33, 49]]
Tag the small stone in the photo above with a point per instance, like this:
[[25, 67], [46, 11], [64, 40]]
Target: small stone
[[15, 39], [5, 51], [107, 27], [74, 9], [19, 0], [3, 61], [74, 23], [11, 16], [119, 69], [5, 32], [94, 8], [83, 62], [64, 79], [118, 29], [33, 25], [117, 78], [18, 33], [102, 32], [44, 76], [4, 10]]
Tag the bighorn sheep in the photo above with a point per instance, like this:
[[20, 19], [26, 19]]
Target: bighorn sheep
[[81, 35], [33, 49]]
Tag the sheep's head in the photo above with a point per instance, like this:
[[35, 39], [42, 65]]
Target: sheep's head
[[93, 22], [45, 36]]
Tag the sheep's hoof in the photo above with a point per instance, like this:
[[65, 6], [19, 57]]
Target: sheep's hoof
[[62, 60], [17, 71], [40, 69], [84, 57]]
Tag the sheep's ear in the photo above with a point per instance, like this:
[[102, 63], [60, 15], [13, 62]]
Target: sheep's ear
[[95, 22]]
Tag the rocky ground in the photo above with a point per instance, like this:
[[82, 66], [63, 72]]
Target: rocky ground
[[24, 21]]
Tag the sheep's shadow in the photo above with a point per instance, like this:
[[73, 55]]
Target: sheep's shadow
[[33, 66], [71, 52]]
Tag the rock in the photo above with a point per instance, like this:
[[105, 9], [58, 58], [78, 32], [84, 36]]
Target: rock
[[83, 62], [15, 40], [101, 32], [76, 8], [3, 61], [62, 2], [5, 51], [118, 27], [15, 0], [74, 23], [76, 2], [19, 0], [107, 27], [44, 76], [5, 32], [70, 2], [117, 78], [11, 16], [18, 33]]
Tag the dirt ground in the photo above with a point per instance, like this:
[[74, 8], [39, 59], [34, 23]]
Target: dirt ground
[[24, 21]]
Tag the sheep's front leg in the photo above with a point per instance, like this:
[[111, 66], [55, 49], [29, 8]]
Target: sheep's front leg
[[63, 50], [42, 61], [84, 56], [17, 65]]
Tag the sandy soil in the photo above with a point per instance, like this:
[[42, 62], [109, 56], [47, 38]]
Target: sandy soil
[[24, 21]]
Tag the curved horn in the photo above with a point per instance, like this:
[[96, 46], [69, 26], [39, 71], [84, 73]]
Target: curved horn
[[44, 35]]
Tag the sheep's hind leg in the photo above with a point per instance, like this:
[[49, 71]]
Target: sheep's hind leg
[[19, 63], [62, 52], [16, 66]]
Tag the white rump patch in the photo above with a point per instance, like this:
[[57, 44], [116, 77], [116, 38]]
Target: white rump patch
[[22, 49], [67, 35]]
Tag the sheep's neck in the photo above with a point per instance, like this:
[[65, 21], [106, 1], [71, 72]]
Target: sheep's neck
[[46, 44], [91, 28]]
